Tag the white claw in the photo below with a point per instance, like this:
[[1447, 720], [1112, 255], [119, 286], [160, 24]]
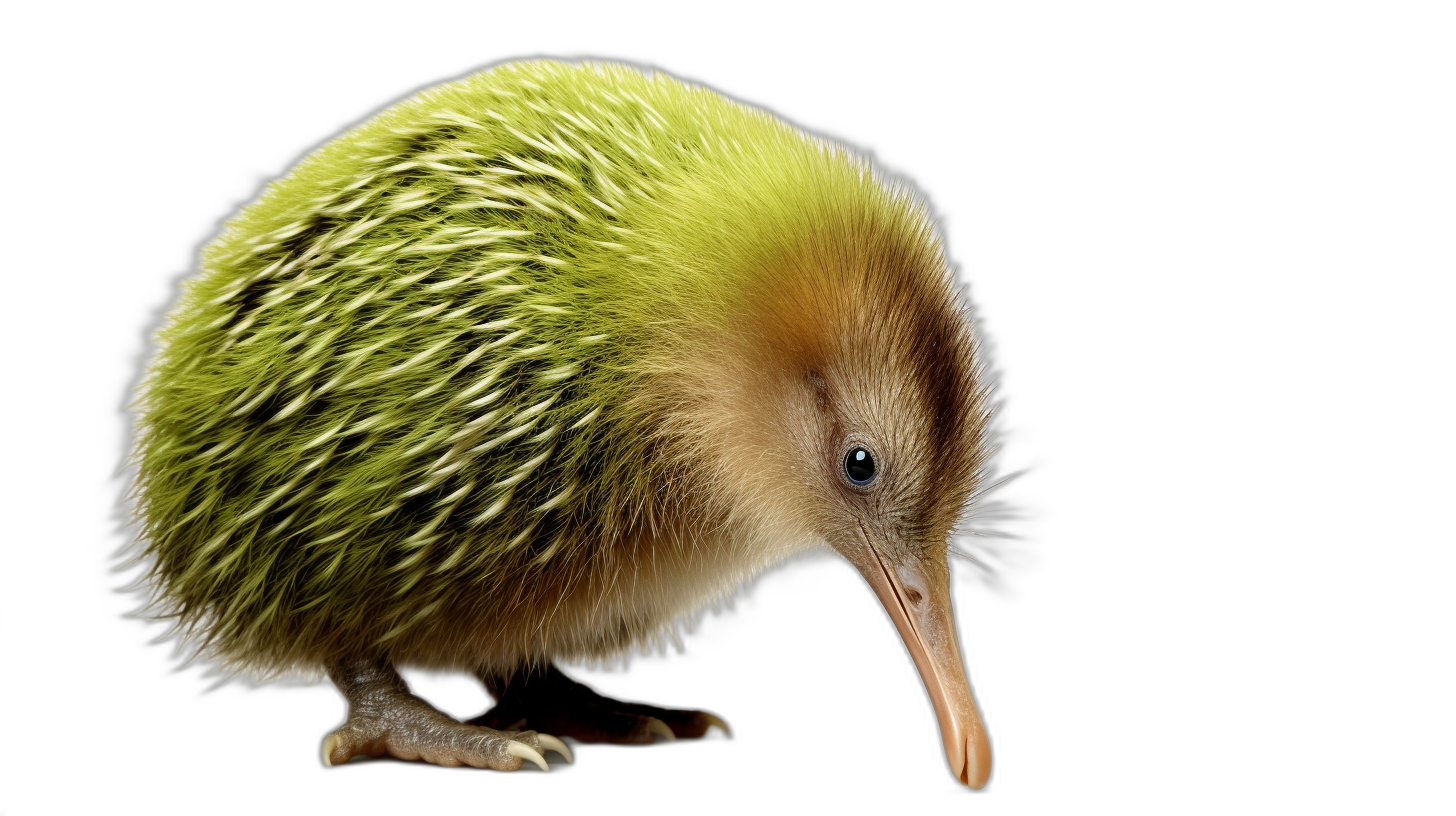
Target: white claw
[[660, 728], [524, 751], [550, 743], [329, 749]]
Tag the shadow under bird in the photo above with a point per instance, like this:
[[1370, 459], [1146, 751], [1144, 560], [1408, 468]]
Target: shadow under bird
[[532, 366]]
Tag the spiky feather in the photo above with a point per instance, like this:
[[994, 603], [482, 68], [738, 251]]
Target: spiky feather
[[429, 375]]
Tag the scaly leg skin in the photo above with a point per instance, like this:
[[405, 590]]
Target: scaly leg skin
[[385, 718], [548, 700]]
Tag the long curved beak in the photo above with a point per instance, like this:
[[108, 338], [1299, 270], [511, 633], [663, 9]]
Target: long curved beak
[[922, 613]]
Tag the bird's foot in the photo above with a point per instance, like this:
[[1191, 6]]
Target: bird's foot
[[386, 719], [550, 701]]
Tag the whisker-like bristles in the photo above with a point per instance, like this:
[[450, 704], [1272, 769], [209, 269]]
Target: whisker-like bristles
[[982, 533], [989, 556], [957, 552], [987, 488], [982, 518]]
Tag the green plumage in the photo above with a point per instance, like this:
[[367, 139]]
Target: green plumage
[[420, 368]]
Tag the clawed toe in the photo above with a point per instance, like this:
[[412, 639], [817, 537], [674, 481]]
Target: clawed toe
[[660, 729], [385, 719], [524, 751], [550, 743], [715, 722], [544, 698], [450, 744]]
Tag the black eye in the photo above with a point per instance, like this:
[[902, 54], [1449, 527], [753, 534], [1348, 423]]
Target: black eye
[[859, 466]]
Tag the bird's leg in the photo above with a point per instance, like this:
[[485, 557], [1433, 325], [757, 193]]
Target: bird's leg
[[544, 698], [385, 718]]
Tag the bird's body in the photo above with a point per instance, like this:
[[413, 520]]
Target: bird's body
[[526, 368]]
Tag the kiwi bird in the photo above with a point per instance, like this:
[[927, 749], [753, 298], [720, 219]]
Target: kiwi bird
[[528, 368]]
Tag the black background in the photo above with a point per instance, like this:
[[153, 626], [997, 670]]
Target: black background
[[1044, 163]]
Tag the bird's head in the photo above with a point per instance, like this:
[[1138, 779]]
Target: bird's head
[[844, 406]]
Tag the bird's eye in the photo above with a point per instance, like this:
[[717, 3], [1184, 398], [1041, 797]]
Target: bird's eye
[[859, 465]]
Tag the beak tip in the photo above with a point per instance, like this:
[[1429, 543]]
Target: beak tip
[[975, 764]]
